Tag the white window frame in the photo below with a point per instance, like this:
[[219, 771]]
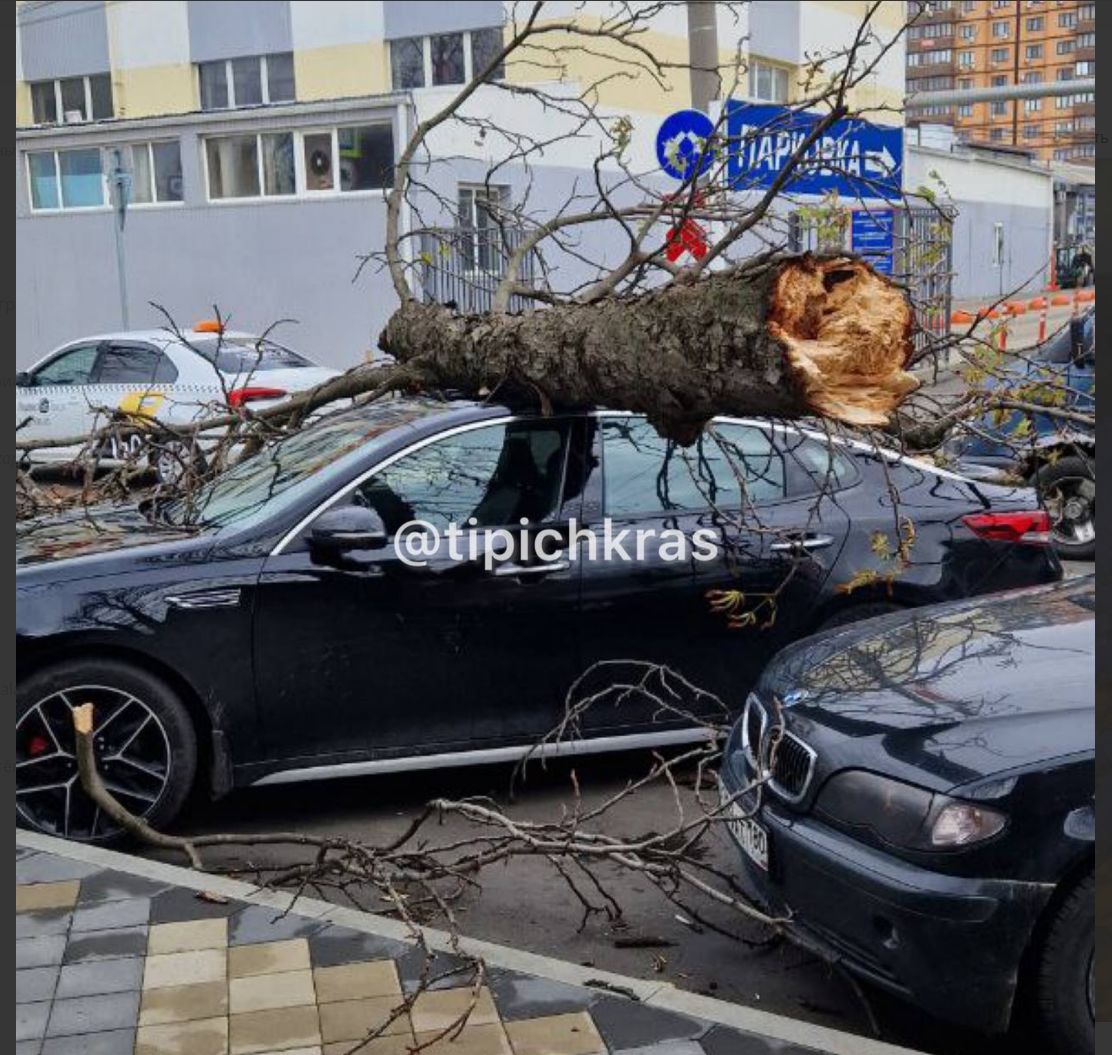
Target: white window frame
[[61, 114], [755, 64], [426, 59], [229, 82], [61, 206], [301, 189], [154, 203], [473, 227]]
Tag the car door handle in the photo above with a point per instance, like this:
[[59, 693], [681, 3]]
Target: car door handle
[[544, 568], [803, 542]]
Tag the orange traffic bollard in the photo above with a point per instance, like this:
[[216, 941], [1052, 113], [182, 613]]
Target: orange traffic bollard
[[1042, 323], [1061, 300]]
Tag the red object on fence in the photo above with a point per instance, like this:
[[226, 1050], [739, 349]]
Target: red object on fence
[[688, 237]]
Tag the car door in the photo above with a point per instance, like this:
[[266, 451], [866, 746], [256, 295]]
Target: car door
[[54, 403], [715, 618], [135, 378], [374, 656]]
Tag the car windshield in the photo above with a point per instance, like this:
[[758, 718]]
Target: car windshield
[[246, 355], [276, 477]]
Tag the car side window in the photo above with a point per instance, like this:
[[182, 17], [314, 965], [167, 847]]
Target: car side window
[[134, 364], [496, 474], [757, 461], [74, 366], [645, 475]]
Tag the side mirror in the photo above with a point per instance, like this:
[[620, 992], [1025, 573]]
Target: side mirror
[[348, 528], [23, 379]]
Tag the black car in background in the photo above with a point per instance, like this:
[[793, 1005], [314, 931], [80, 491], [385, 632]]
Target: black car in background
[[267, 629], [927, 811], [1056, 456]]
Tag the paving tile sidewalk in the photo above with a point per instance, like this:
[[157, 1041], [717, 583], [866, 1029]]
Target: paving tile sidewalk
[[119, 956]]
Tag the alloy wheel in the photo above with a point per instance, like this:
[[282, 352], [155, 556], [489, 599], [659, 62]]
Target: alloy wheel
[[131, 749], [1072, 502]]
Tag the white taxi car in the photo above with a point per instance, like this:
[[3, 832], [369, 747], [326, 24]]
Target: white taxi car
[[78, 388]]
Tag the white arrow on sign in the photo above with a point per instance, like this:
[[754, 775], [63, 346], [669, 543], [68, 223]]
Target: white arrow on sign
[[879, 162]]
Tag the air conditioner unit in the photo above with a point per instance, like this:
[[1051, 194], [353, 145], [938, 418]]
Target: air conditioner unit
[[73, 117]]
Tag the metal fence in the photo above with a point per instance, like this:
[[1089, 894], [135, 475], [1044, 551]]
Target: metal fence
[[922, 259], [462, 266]]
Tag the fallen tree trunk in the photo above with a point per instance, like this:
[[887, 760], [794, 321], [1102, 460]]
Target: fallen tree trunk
[[802, 335]]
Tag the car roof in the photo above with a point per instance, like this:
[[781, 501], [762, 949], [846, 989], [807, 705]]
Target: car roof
[[158, 336]]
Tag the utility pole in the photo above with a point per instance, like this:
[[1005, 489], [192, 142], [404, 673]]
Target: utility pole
[[702, 49], [121, 194]]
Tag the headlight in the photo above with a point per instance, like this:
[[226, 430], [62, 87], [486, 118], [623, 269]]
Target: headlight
[[962, 823], [905, 815]]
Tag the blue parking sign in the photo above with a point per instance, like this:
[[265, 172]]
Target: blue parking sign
[[681, 144], [871, 237]]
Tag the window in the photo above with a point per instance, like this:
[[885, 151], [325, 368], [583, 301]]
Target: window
[[1086, 40], [1063, 128], [247, 355], [968, 31], [1067, 19], [965, 110], [1000, 54], [1030, 131], [251, 80], [965, 59], [74, 366], [156, 172], [1064, 47], [646, 475], [444, 58], [769, 82], [1065, 73], [996, 134], [366, 157], [1061, 154], [932, 31], [1087, 13], [999, 107], [997, 245], [1085, 69], [1035, 25], [497, 475], [1034, 51], [927, 58], [1033, 77], [968, 6], [66, 179], [480, 243], [1001, 29], [233, 166], [999, 80], [1032, 106], [134, 364], [965, 83], [72, 99], [335, 160]]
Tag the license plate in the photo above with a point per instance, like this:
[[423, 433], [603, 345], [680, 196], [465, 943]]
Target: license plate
[[749, 835]]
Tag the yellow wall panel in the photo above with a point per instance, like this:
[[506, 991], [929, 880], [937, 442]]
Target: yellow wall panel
[[148, 91], [890, 15], [22, 104], [605, 69], [341, 70]]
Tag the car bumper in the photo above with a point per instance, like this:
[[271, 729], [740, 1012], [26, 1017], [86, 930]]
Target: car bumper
[[951, 945]]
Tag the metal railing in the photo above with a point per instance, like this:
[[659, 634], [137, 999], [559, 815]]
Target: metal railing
[[462, 266]]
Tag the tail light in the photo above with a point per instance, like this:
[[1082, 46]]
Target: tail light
[[238, 396], [1031, 526]]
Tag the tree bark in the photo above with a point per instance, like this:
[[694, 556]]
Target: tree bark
[[799, 336]]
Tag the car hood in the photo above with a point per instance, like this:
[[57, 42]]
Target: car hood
[[957, 691], [95, 531]]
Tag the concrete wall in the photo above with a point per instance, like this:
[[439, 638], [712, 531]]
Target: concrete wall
[[986, 191]]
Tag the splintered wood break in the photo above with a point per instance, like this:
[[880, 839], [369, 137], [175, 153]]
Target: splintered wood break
[[847, 335], [83, 719]]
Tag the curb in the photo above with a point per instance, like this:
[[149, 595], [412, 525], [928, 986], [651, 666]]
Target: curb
[[660, 995]]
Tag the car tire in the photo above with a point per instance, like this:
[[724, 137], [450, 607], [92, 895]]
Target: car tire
[[1065, 979], [854, 613], [172, 459], [146, 754], [1064, 484]]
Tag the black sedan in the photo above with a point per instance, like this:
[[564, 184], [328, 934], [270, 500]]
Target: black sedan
[[917, 790], [267, 628]]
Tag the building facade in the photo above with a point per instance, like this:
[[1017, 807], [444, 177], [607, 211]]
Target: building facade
[[969, 44], [257, 139]]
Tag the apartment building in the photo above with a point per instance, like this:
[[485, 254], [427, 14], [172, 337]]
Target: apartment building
[[970, 44], [259, 138]]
